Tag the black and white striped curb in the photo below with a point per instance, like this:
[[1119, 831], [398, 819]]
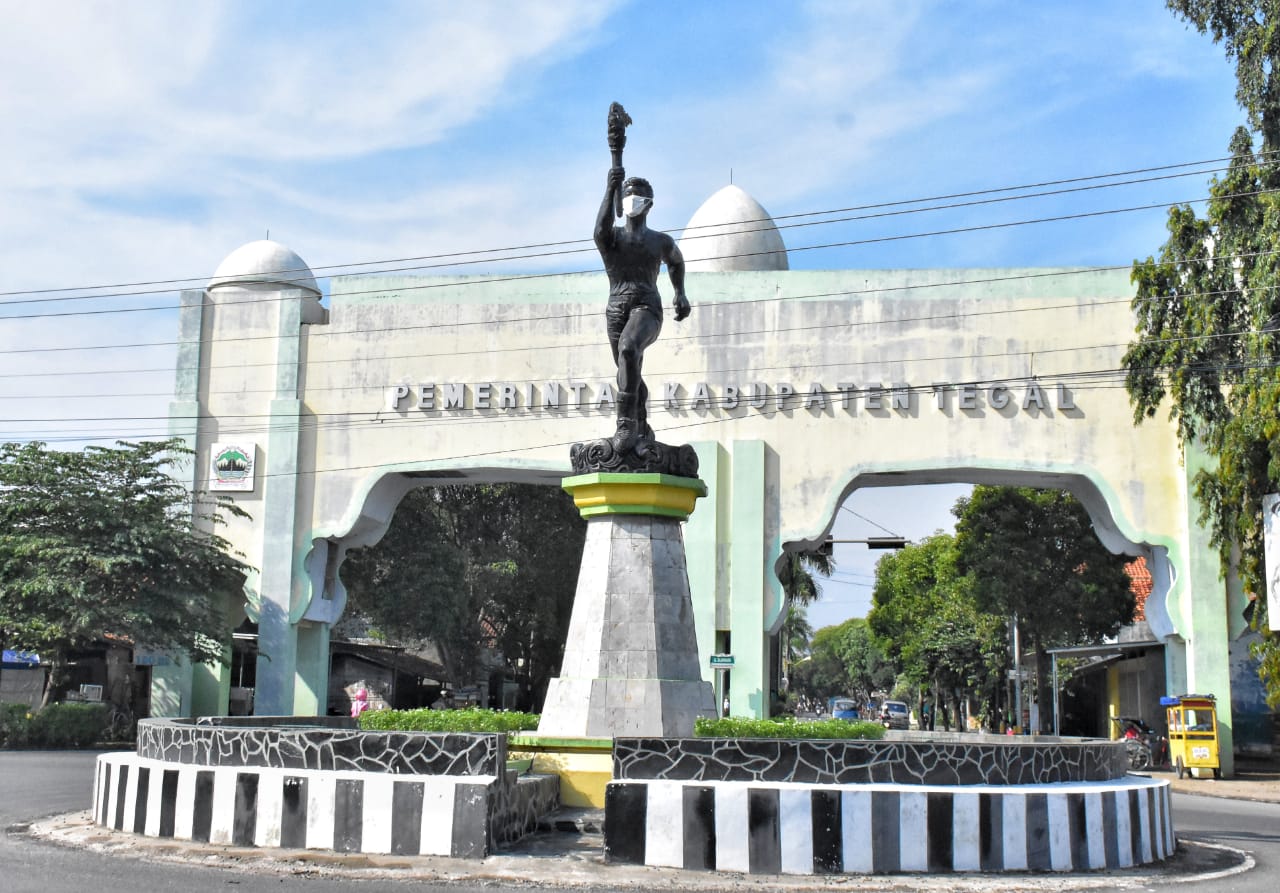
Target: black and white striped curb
[[342, 811], [794, 828]]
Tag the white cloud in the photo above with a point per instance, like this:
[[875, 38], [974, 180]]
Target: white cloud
[[148, 140]]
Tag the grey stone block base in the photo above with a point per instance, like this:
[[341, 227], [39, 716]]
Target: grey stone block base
[[631, 661]]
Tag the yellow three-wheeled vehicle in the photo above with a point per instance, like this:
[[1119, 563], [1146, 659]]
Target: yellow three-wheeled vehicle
[[1193, 733]]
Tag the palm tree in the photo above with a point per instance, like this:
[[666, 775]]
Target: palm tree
[[797, 572], [795, 637]]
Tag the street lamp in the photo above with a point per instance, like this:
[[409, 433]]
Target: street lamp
[[871, 542]]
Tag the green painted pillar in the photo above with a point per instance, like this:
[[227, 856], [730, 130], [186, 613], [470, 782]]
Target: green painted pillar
[[749, 686], [171, 689], [1205, 606], [210, 688], [281, 574], [311, 688], [702, 546], [176, 686]]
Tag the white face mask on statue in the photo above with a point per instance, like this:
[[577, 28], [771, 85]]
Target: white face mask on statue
[[635, 205]]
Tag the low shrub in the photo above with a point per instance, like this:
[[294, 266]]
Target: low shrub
[[787, 727], [69, 725], [472, 719], [15, 725], [57, 725]]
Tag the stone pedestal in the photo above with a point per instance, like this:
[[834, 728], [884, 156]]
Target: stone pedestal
[[631, 661]]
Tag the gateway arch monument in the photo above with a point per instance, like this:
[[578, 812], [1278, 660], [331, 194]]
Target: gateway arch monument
[[794, 388]]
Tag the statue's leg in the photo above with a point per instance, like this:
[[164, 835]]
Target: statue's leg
[[642, 412], [641, 330]]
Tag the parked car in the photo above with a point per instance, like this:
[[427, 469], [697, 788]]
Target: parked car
[[895, 715], [844, 708]]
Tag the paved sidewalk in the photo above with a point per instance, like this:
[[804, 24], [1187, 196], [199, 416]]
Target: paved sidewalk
[[1254, 780]]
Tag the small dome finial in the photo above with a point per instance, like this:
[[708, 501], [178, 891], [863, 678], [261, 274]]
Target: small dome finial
[[732, 232], [264, 263]]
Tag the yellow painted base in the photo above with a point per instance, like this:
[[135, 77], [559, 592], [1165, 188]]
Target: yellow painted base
[[662, 495], [583, 776], [585, 765]]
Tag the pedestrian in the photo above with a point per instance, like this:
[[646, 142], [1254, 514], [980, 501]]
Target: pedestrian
[[360, 703]]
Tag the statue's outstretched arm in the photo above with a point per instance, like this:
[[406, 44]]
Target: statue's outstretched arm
[[675, 269]]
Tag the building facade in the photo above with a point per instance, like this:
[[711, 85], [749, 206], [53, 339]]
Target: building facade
[[795, 388]]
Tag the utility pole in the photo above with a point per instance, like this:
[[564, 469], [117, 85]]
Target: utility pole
[[1017, 675]]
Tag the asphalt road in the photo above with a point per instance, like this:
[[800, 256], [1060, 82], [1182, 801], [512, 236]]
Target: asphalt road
[[36, 784], [1242, 824]]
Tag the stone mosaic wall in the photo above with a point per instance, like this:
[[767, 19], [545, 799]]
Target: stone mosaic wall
[[398, 753], [985, 760], [516, 807]]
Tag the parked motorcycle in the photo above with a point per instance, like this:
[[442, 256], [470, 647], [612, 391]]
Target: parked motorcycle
[[1143, 745]]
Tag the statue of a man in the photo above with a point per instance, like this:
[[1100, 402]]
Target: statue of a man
[[633, 255]]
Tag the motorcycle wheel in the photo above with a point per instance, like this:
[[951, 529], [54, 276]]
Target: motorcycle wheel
[[1179, 768], [1139, 755]]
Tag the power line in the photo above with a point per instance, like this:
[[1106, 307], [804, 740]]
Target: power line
[[868, 520], [1265, 161], [826, 326], [1162, 205]]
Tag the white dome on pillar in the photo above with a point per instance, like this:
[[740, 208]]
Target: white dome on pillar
[[732, 232], [265, 262]]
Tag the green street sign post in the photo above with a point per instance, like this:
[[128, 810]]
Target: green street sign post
[[722, 664]]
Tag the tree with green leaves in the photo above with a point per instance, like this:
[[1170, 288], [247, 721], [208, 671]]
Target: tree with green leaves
[[867, 668], [797, 574], [795, 635], [469, 568], [822, 674], [105, 542], [413, 585], [1034, 554], [527, 577], [1208, 313], [844, 660], [925, 617]]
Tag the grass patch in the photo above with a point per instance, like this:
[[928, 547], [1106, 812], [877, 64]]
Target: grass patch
[[787, 727]]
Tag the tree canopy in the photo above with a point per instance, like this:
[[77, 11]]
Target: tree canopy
[[105, 542], [1208, 311], [843, 660], [472, 567], [1034, 553], [926, 619]]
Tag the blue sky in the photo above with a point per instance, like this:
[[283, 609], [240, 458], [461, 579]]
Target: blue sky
[[145, 141]]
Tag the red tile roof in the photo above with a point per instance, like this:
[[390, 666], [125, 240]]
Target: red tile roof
[[1140, 584]]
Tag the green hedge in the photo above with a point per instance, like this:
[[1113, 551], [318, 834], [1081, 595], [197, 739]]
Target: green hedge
[[477, 720], [58, 725], [786, 727], [469, 720]]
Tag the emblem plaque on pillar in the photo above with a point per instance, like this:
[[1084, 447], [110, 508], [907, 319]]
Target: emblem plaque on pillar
[[631, 662]]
